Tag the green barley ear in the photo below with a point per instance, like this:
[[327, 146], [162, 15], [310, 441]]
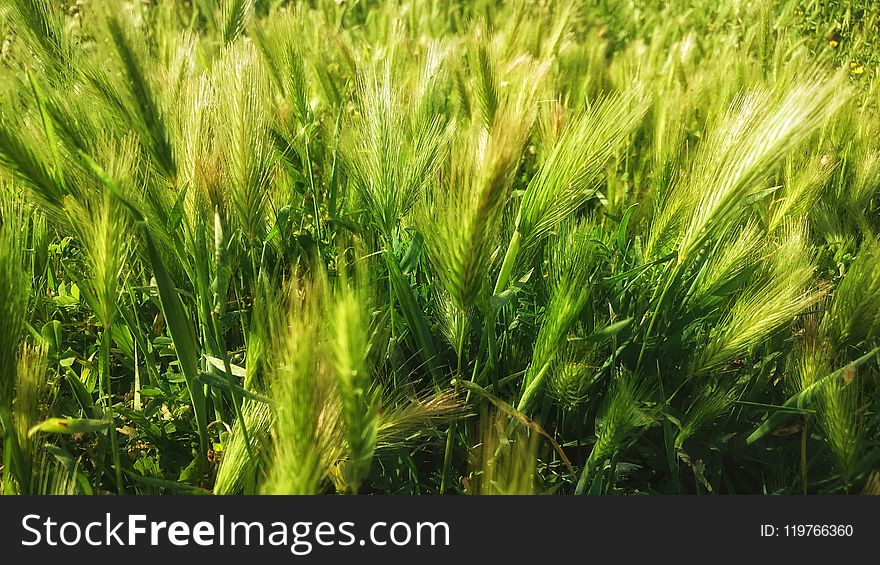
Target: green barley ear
[[349, 339], [866, 181], [857, 178], [729, 260], [44, 30], [854, 312], [842, 410], [484, 67], [572, 265], [572, 171], [106, 239], [505, 462], [872, 485], [840, 403], [300, 387], [241, 125], [710, 403], [569, 377], [259, 339], [240, 468], [234, 15], [134, 95], [751, 139], [101, 224], [453, 322], [23, 159], [802, 183], [812, 358], [392, 151], [13, 293], [465, 215], [243, 466], [620, 418], [771, 301], [285, 62], [29, 386], [27, 462], [405, 419]]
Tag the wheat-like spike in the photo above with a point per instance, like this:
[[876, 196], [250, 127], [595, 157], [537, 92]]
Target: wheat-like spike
[[752, 138], [394, 150], [13, 293], [300, 387], [506, 459], [573, 265], [241, 463], [43, 27], [619, 419], [240, 120], [463, 220], [358, 394], [572, 171], [766, 305], [234, 15], [802, 183], [854, 311]]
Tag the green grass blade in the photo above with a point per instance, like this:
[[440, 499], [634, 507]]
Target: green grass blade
[[415, 318], [180, 328]]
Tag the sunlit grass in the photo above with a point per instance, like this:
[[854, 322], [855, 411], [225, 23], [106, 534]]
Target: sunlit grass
[[271, 247]]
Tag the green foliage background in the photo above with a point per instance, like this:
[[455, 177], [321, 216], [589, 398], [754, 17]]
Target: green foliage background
[[460, 246]]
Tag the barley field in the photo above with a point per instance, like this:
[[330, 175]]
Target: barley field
[[439, 247]]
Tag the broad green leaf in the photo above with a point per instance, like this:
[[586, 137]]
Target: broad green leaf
[[180, 328], [53, 338], [80, 392], [415, 317], [413, 253], [166, 484], [176, 215], [69, 426], [624, 225], [218, 364]]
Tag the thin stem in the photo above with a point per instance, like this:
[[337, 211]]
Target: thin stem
[[7, 467], [108, 405], [803, 462], [450, 433], [586, 475], [230, 378]]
